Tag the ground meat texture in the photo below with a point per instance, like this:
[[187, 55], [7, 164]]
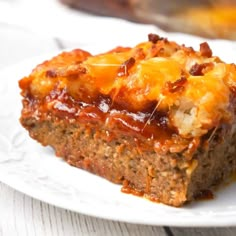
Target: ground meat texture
[[169, 178]]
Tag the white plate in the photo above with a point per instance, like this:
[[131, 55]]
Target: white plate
[[34, 170]]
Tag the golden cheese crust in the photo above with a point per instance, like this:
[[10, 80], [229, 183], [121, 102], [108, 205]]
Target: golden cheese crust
[[193, 88]]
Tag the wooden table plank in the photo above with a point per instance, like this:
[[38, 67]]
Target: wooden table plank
[[230, 231]]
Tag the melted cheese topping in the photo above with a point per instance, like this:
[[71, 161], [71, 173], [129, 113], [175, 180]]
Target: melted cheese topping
[[192, 87]]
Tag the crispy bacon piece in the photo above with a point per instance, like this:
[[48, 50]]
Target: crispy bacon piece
[[205, 50], [177, 85], [198, 69], [124, 68]]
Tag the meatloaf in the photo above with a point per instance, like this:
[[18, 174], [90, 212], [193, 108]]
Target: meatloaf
[[158, 118]]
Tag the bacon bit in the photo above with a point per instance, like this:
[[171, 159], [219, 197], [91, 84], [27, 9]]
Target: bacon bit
[[198, 69], [51, 73], [205, 50], [176, 86], [154, 38], [124, 68], [139, 54]]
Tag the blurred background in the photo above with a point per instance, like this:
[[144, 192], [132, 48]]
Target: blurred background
[[207, 18], [32, 27]]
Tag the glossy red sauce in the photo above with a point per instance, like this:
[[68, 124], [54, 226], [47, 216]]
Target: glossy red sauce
[[148, 123], [130, 190]]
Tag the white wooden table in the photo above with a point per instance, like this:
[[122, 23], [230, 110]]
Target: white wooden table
[[23, 215]]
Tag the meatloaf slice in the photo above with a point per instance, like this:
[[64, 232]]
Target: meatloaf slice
[[158, 118]]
